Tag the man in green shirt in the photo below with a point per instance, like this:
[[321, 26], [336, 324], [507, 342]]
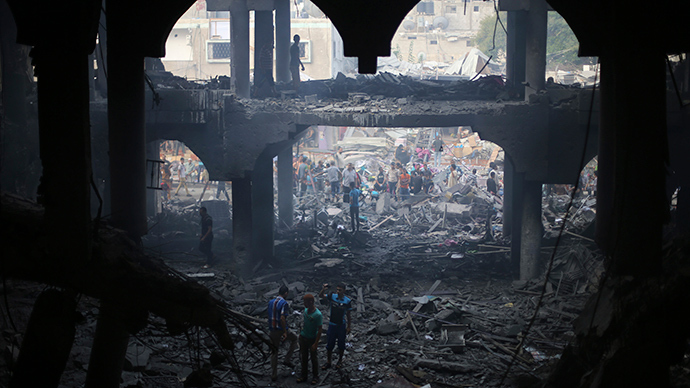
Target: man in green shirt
[[309, 339]]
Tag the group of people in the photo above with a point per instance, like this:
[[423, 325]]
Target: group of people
[[186, 171], [339, 326]]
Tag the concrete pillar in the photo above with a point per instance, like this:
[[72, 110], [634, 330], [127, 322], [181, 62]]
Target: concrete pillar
[[633, 219], [263, 35], [508, 183], [127, 131], [242, 223], [127, 152], [239, 40], [606, 171], [65, 140], [516, 51], [283, 40], [263, 214], [285, 182], [515, 202], [48, 341], [535, 66], [531, 232], [109, 348]]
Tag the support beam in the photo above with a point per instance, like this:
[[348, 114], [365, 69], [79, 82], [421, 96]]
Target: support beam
[[630, 224], [239, 40], [242, 223], [516, 51], [535, 65], [285, 182], [65, 140], [531, 232], [263, 214], [127, 131], [263, 36], [283, 40], [516, 199]]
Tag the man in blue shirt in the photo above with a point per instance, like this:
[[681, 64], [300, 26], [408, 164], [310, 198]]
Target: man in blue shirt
[[354, 206], [338, 327], [278, 311]]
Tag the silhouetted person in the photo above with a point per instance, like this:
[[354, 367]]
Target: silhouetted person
[[295, 62]]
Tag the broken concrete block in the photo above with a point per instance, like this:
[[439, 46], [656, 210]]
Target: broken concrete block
[[379, 304], [384, 203], [329, 263], [452, 209], [137, 357], [386, 328]]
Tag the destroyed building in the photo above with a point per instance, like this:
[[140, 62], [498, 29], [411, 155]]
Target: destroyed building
[[84, 240]]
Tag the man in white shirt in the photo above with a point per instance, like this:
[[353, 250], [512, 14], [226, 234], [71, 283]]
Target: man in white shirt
[[182, 174], [349, 176]]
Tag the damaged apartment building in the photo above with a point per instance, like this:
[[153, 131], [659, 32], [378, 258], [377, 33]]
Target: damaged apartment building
[[419, 319]]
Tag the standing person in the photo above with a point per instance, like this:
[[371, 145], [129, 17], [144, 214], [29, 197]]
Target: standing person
[[354, 206], [338, 326], [222, 189], [302, 175], [349, 176], [295, 62], [333, 175], [381, 182], [417, 182], [404, 184], [309, 339], [453, 177], [317, 173], [206, 239], [339, 158], [182, 176], [278, 310], [437, 146], [393, 174], [427, 181], [491, 183]]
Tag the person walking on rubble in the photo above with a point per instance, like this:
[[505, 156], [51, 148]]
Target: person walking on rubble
[[437, 146], [206, 239], [309, 339], [333, 175], [278, 310], [355, 193], [222, 189], [338, 325], [182, 175], [295, 62]]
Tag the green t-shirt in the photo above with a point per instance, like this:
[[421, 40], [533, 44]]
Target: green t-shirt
[[312, 322]]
